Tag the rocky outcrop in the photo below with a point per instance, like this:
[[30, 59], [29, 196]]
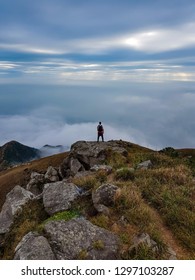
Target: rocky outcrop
[[58, 196], [78, 238], [15, 200], [104, 196], [33, 247], [84, 155]]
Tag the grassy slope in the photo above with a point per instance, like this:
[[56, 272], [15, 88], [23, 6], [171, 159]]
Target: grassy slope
[[159, 201]]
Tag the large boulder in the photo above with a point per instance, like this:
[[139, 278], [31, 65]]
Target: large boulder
[[33, 247], [14, 202], [59, 196], [84, 155], [104, 196], [80, 239]]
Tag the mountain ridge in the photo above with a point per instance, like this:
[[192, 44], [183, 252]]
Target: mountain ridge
[[14, 153]]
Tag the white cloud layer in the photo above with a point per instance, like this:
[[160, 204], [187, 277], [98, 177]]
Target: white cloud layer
[[36, 132]]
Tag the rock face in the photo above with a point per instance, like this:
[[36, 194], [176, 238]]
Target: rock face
[[104, 196], [33, 247], [78, 238], [15, 199], [84, 155], [58, 196]]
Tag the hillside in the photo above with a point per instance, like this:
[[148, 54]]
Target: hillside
[[15, 153], [138, 202]]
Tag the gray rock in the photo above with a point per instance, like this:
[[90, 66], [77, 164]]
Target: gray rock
[[70, 167], [171, 254], [51, 174], [78, 239], [58, 196], [84, 155], [104, 196], [14, 202], [36, 183], [36, 175], [33, 247], [145, 239], [75, 166], [145, 164], [103, 167]]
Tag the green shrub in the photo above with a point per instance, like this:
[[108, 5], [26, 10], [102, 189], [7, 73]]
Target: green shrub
[[169, 151], [125, 174], [65, 216]]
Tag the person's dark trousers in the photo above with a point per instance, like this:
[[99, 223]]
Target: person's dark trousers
[[100, 135]]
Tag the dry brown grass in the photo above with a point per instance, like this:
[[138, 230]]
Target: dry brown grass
[[20, 175]]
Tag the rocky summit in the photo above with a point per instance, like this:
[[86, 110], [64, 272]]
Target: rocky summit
[[100, 201]]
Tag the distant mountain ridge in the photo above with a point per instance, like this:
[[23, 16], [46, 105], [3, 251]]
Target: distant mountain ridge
[[13, 153]]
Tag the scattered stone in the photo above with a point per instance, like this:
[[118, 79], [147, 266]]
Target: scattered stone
[[59, 196], [145, 165], [171, 253], [103, 167], [80, 239], [51, 174], [104, 196], [14, 202], [33, 247], [36, 183], [145, 239]]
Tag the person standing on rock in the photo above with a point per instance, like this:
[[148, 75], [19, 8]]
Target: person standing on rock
[[100, 132]]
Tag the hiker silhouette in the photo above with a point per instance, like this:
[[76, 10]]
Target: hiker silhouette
[[100, 132]]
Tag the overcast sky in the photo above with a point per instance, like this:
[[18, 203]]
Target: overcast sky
[[65, 65]]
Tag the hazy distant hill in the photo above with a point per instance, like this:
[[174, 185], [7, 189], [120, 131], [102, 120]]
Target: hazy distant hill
[[14, 152], [48, 150]]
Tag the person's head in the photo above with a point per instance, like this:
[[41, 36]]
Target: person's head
[[100, 123]]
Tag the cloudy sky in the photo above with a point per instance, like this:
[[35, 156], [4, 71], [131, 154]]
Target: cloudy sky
[[65, 65]]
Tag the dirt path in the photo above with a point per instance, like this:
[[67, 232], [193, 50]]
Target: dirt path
[[169, 238]]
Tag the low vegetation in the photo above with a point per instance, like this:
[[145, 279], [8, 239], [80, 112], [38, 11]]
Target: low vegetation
[[158, 201]]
